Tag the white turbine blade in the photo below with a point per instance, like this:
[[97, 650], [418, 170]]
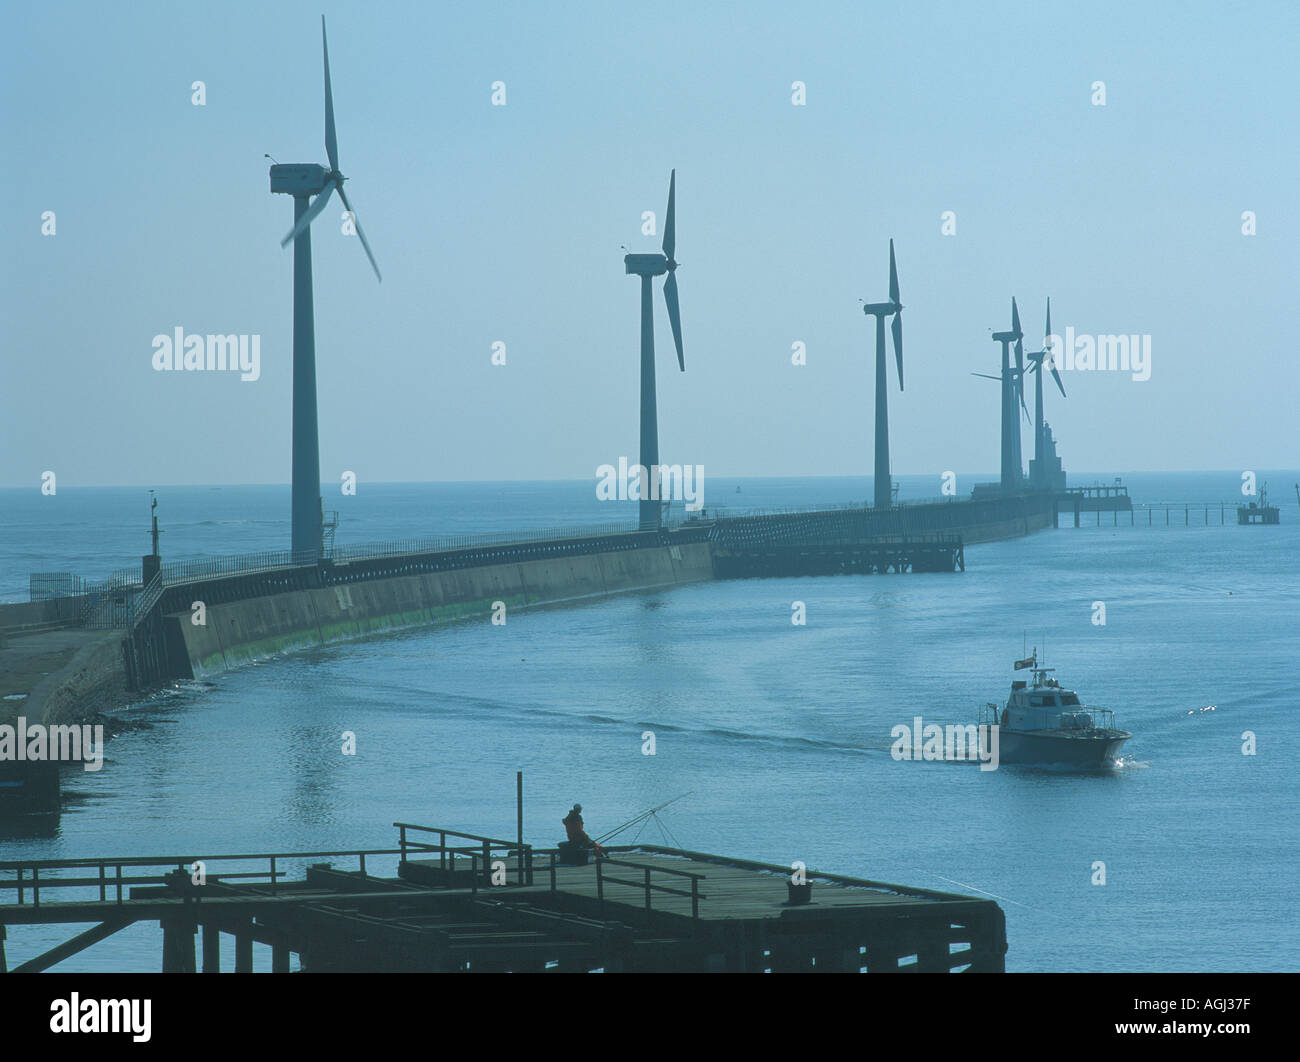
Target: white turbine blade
[[317, 206], [364, 243], [674, 316], [670, 220], [331, 144]]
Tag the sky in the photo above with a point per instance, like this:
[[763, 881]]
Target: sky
[[508, 224]]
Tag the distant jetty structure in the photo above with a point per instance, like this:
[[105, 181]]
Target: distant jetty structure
[[1260, 512]]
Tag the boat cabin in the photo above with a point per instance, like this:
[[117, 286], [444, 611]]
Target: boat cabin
[[1044, 704]]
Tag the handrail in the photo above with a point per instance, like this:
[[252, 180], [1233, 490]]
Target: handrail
[[34, 884], [485, 848], [138, 610], [180, 572], [646, 885], [917, 538], [456, 833], [250, 563]]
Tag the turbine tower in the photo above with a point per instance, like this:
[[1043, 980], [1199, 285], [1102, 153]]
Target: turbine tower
[[1040, 472], [646, 266], [302, 181], [881, 310], [1011, 475], [1018, 394]]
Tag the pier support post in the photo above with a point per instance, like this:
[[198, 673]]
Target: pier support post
[[279, 958], [881, 956], [243, 952], [1076, 510], [4, 967], [932, 955], [211, 948], [524, 873], [178, 945]]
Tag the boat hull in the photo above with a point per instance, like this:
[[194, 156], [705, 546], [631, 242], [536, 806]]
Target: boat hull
[[1094, 748]]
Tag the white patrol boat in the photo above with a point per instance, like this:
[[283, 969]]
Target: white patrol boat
[[1043, 722]]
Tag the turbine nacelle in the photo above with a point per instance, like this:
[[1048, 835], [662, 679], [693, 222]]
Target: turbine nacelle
[[892, 308], [656, 265], [1044, 356], [648, 265], [299, 178], [303, 179], [884, 309]]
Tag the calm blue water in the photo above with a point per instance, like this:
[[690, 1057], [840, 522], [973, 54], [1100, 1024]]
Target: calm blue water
[[779, 733]]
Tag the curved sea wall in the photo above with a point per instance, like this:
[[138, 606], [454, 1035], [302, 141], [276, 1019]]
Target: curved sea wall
[[241, 631], [258, 613]]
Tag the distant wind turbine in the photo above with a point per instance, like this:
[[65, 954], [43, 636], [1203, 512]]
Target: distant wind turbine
[[646, 266], [1039, 359], [302, 181], [881, 310], [1012, 474]]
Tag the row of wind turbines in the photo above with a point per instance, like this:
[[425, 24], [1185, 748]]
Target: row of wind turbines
[[302, 181]]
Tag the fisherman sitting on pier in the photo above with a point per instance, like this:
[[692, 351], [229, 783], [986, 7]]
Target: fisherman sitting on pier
[[577, 834]]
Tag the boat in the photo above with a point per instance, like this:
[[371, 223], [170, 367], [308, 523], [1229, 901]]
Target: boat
[[1042, 722]]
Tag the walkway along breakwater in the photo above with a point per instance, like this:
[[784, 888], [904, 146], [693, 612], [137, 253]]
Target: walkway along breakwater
[[191, 619]]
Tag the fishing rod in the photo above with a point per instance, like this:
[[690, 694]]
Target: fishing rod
[[633, 821], [639, 818]]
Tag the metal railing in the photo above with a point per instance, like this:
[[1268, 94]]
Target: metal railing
[[483, 849], [990, 714], [647, 886], [245, 563], [27, 873], [138, 609], [47, 586]]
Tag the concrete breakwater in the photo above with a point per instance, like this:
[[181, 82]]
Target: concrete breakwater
[[255, 611], [241, 631], [358, 603]]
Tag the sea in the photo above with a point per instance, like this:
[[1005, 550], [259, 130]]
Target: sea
[[779, 738]]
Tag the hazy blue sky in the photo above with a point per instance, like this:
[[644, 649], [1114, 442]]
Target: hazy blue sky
[[505, 223]]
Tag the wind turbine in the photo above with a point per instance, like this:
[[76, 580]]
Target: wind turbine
[[1041, 358], [881, 310], [303, 180], [1018, 383], [646, 266], [1012, 474]]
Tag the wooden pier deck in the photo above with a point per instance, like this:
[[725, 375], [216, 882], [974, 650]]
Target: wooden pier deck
[[493, 906]]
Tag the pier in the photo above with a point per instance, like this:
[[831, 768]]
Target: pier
[[462, 902], [1260, 513], [1095, 499], [1179, 514]]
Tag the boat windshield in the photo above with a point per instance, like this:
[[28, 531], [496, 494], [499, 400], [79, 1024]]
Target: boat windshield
[[1068, 699]]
